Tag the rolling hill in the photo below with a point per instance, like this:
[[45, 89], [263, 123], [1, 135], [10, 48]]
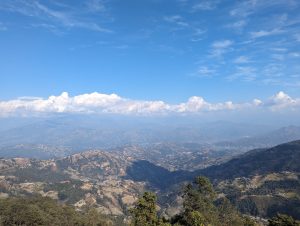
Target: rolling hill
[[284, 157], [260, 182]]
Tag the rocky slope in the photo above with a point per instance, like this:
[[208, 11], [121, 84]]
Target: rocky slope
[[261, 182], [92, 178]]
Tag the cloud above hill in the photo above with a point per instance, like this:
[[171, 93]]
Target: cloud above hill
[[99, 103]]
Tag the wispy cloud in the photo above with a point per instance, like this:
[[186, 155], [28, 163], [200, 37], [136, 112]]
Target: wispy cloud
[[297, 37], [198, 34], [96, 5], [50, 27], [241, 60], [2, 27], [222, 44], [238, 25], [205, 5], [273, 70], [220, 47], [264, 33], [64, 16], [204, 71], [245, 73], [279, 49], [249, 7], [177, 20], [177, 23], [279, 57], [68, 21], [294, 54], [244, 8]]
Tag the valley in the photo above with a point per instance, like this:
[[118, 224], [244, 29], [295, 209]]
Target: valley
[[259, 183]]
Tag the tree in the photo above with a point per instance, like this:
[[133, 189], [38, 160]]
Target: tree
[[144, 212], [247, 221], [195, 218], [283, 220], [93, 218], [198, 206], [228, 214]]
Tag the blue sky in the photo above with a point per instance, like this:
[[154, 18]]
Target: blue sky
[[168, 50]]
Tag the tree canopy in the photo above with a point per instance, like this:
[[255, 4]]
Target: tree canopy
[[39, 211], [199, 209], [283, 220]]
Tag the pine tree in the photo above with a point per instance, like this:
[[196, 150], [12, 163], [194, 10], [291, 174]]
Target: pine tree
[[144, 212], [198, 206]]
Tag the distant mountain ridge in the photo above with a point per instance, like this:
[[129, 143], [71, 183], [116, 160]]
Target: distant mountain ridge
[[270, 139], [261, 182], [284, 157], [75, 134]]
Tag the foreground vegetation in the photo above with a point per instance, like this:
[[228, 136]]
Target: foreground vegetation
[[201, 207], [45, 211]]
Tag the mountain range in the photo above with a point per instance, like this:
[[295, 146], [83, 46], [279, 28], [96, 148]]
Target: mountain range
[[260, 182], [62, 136]]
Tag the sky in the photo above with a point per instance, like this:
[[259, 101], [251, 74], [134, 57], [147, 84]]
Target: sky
[[149, 56]]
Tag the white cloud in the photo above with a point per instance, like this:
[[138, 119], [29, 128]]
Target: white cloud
[[279, 49], [294, 54], [279, 57], [205, 5], [241, 60], [85, 103], [274, 70], [220, 47], [245, 73], [281, 98], [96, 5], [222, 44], [98, 103], [67, 20], [176, 19], [257, 102], [198, 104], [62, 16], [249, 7], [198, 34], [282, 101], [204, 71], [238, 25], [264, 33], [244, 8]]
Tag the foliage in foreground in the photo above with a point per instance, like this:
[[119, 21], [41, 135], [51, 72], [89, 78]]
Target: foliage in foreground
[[283, 220], [40, 211], [199, 209], [144, 213]]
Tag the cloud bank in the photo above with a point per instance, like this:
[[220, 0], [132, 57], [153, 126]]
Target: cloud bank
[[98, 103]]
